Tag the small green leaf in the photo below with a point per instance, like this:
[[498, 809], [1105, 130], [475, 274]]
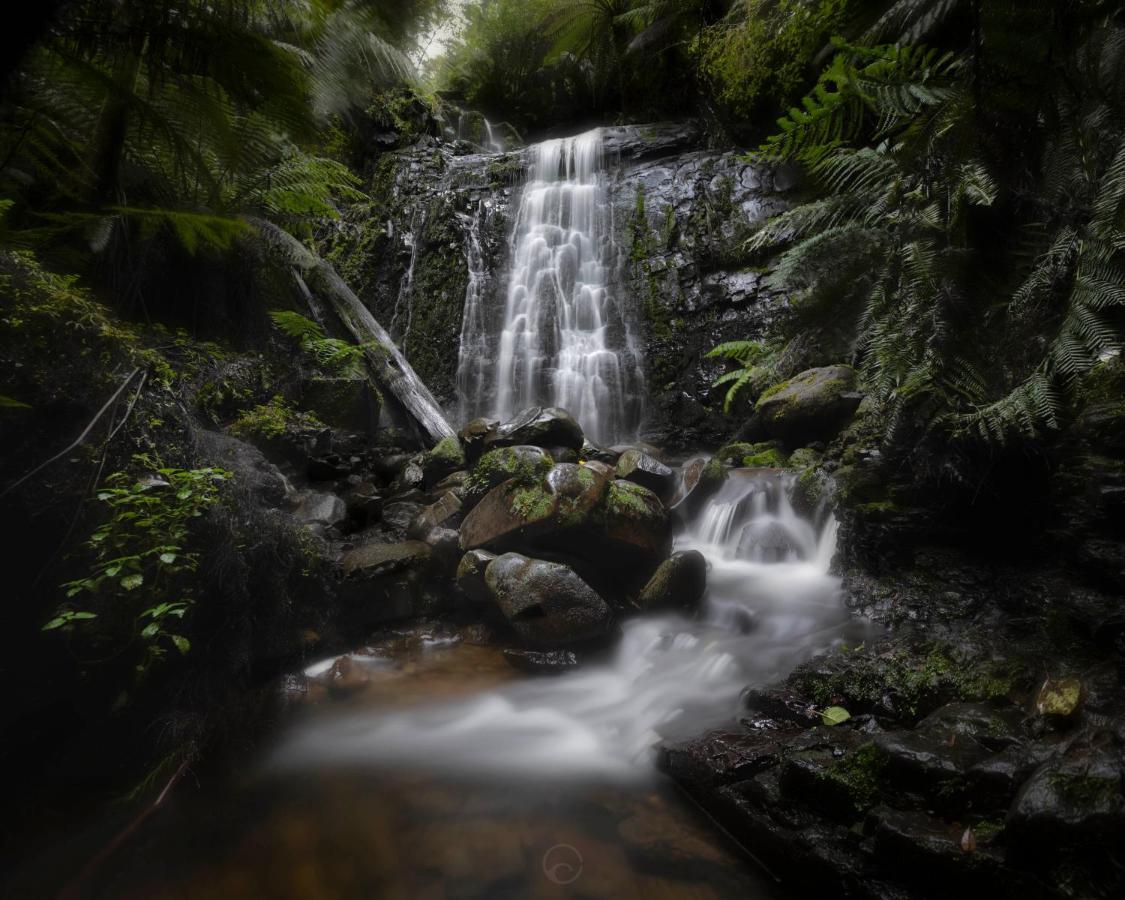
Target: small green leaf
[[834, 715], [129, 582], [150, 630], [182, 643], [168, 558], [56, 622]]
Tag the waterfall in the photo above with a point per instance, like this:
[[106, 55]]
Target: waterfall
[[565, 340], [771, 603], [473, 351]]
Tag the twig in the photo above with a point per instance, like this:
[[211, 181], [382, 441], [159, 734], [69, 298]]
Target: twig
[[72, 890], [94, 421]]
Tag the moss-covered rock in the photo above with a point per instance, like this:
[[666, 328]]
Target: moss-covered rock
[[445, 458], [525, 464], [811, 406], [678, 583]]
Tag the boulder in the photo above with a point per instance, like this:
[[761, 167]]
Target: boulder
[[470, 575], [700, 479], [317, 508], [813, 406], [251, 469], [365, 504], [444, 459], [445, 513], [347, 403], [1078, 794], [444, 544], [613, 525], [473, 437], [410, 477], [641, 468], [538, 426], [380, 559], [678, 583], [525, 463], [541, 662], [546, 603]]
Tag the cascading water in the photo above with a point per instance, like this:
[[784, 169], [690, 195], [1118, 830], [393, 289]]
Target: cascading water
[[771, 603], [565, 339]]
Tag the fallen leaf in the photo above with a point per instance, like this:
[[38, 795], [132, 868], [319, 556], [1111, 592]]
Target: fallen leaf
[[834, 715]]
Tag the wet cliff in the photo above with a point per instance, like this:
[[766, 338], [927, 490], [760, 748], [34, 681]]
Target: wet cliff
[[437, 230]]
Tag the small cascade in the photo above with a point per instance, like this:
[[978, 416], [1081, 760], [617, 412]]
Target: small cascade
[[771, 604], [403, 306], [565, 339]]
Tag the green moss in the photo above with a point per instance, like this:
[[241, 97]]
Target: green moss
[[532, 503], [918, 680], [629, 500], [270, 420], [987, 832], [734, 452], [858, 775], [502, 464], [767, 459], [447, 452], [1084, 791]]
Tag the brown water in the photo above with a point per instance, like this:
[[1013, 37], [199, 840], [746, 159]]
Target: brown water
[[355, 832]]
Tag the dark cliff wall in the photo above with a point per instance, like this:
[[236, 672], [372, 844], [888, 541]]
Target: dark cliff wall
[[681, 212]]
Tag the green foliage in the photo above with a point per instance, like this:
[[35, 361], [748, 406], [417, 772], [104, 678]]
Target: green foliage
[[759, 56], [271, 420], [143, 558], [963, 340], [753, 359], [331, 353]]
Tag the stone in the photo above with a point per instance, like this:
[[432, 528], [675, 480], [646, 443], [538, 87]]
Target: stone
[[328, 467], [470, 575], [540, 427], [525, 463], [365, 504], [248, 464], [380, 559], [996, 728], [928, 763], [410, 476], [398, 515], [678, 583], [701, 478], [473, 437], [346, 403], [546, 603], [445, 544], [640, 468], [1078, 794], [315, 507], [444, 513], [444, 459], [812, 406]]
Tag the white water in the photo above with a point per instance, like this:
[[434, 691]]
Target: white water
[[565, 341], [670, 677]]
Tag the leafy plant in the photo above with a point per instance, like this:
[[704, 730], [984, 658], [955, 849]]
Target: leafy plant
[[332, 353], [143, 557], [751, 358]]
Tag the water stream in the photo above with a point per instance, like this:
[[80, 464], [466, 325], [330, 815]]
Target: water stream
[[771, 603]]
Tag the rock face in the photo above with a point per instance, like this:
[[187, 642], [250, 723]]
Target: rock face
[[546, 603], [813, 406], [441, 221]]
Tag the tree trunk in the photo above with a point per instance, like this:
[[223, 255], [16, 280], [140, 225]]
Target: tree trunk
[[404, 394]]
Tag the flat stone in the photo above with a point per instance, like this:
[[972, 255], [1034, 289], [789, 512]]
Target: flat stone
[[317, 508], [641, 468], [381, 559]]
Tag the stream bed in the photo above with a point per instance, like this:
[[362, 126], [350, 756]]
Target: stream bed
[[424, 765]]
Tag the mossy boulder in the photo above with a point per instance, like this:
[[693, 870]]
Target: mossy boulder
[[613, 526], [546, 603], [525, 464], [678, 583], [445, 458], [812, 406], [700, 479], [470, 575], [641, 468], [347, 403]]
